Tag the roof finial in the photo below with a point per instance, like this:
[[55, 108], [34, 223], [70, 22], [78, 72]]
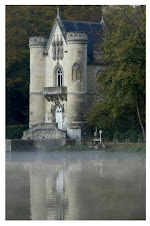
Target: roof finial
[[58, 13], [102, 21]]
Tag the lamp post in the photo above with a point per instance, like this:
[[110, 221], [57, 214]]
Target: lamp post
[[100, 133]]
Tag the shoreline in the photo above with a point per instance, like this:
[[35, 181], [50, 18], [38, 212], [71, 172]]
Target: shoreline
[[86, 147], [59, 145]]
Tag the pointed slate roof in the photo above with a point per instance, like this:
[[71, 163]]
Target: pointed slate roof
[[93, 29]]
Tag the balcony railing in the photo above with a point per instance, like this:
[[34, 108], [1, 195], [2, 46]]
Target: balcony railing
[[61, 90], [55, 93]]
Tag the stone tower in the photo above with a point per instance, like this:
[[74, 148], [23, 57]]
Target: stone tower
[[37, 80], [77, 82]]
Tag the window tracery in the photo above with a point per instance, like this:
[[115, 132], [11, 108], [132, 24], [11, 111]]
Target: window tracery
[[59, 77], [75, 72], [57, 48]]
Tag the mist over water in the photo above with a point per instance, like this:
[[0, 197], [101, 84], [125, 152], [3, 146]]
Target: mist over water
[[90, 185]]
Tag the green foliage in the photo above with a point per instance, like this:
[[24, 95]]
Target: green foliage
[[122, 147], [128, 148], [116, 135], [140, 137], [15, 132], [122, 83], [89, 13], [107, 135], [130, 135]]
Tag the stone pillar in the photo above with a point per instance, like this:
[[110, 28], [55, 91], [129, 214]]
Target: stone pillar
[[37, 80], [76, 83]]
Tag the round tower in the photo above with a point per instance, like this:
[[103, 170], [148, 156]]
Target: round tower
[[76, 83], [37, 80]]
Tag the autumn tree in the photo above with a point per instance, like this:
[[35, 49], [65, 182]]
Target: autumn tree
[[123, 81]]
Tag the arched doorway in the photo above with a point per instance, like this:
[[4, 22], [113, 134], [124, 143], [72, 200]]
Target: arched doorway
[[59, 117]]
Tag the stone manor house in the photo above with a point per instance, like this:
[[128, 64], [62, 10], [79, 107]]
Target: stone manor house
[[63, 70]]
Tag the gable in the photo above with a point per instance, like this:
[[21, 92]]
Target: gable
[[55, 28], [94, 31]]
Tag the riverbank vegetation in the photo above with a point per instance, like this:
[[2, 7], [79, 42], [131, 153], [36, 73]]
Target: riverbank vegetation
[[121, 86], [15, 131], [108, 147]]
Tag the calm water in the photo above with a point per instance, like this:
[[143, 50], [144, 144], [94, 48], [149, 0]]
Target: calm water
[[75, 185]]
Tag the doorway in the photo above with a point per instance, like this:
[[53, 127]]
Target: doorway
[[59, 117]]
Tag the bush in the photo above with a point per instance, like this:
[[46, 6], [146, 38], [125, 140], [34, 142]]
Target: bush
[[140, 137], [116, 135], [131, 135], [107, 135], [15, 131]]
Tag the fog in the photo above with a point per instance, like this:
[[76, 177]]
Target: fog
[[91, 185]]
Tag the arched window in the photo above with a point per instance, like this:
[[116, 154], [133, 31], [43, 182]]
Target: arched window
[[75, 72], [58, 77]]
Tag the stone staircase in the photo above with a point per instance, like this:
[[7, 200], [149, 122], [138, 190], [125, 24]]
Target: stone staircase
[[42, 137], [44, 131]]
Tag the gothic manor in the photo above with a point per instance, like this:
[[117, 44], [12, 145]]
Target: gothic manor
[[63, 70]]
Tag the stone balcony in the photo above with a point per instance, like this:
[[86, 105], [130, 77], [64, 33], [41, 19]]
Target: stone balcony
[[55, 93]]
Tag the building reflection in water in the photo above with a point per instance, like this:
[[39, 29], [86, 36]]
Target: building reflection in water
[[50, 185], [86, 189]]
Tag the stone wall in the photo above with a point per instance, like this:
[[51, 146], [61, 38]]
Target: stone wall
[[33, 145], [8, 145]]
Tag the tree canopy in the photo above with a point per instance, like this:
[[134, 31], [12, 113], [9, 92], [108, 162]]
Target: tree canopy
[[122, 83]]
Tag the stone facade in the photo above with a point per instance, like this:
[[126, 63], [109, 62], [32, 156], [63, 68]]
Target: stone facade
[[63, 72]]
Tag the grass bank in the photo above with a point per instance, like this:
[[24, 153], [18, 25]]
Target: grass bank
[[127, 147], [122, 147]]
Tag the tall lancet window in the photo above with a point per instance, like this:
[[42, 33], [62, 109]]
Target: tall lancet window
[[58, 77], [75, 72]]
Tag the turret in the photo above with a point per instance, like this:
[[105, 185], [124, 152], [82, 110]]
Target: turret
[[37, 80], [77, 82]]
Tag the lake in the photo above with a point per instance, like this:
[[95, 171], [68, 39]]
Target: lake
[[86, 185]]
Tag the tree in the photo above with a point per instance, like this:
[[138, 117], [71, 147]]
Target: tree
[[123, 81]]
